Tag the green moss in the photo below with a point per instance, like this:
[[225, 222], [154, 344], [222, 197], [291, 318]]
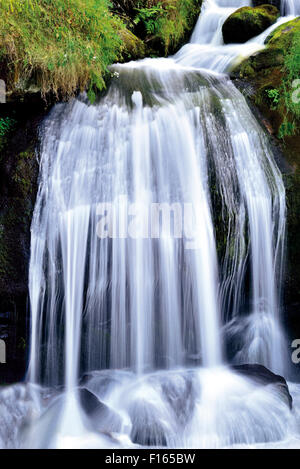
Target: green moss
[[132, 48]]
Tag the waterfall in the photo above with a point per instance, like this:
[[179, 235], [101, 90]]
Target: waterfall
[[290, 7], [158, 239]]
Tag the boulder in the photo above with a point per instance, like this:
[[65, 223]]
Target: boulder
[[247, 22], [102, 418], [264, 377]]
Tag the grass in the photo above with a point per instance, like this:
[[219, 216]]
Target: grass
[[61, 46], [58, 45]]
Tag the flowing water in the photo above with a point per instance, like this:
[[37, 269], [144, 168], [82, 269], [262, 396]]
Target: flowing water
[[290, 7], [156, 258]]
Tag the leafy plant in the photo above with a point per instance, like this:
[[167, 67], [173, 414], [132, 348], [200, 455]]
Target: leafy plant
[[274, 96], [167, 20], [6, 126]]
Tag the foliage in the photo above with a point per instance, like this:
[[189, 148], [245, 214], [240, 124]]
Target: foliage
[[58, 45], [287, 38], [6, 126], [292, 75], [274, 96], [167, 20]]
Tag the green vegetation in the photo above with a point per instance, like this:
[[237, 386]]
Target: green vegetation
[[6, 126], [275, 74], [287, 39], [167, 20], [57, 45], [274, 96], [60, 46]]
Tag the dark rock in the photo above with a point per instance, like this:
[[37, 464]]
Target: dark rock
[[275, 3], [262, 72], [102, 418], [246, 23], [18, 188], [265, 377], [147, 426]]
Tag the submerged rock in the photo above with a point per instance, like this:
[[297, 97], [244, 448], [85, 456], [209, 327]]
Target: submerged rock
[[265, 377], [102, 418], [247, 22]]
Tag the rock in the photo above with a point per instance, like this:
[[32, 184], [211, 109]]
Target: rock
[[275, 3], [18, 187], [265, 377], [148, 428], [133, 48], [247, 22], [102, 418], [264, 72]]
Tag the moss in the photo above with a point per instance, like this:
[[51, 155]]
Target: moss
[[246, 23], [271, 72], [132, 47], [282, 37]]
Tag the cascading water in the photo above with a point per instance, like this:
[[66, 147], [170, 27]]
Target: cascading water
[[128, 274], [290, 7]]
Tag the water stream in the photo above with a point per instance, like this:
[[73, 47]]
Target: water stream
[[156, 259]]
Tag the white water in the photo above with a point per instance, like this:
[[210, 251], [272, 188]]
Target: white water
[[170, 131], [290, 7]]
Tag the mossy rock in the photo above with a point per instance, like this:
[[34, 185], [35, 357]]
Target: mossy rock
[[246, 23], [132, 47], [266, 71], [283, 36], [263, 76]]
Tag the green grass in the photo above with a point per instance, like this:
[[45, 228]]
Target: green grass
[[58, 45], [61, 46]]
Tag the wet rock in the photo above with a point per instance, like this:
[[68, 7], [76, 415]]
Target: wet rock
[[265, 377], [18, 187], [275, 3], [102, 418], [247, 22], [264, 73], [147, 427]]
